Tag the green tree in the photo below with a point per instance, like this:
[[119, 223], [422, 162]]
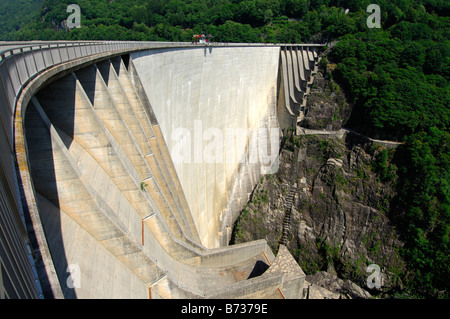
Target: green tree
[[296, 8]]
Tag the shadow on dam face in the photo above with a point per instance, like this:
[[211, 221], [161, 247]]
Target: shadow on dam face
[[207, 50], [44, 168], [88, 151], [259, 269]]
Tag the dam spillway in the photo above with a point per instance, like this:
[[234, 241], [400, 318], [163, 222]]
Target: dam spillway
[[120, 209]]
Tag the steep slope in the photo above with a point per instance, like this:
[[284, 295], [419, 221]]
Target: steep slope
[[16, 14], [327, 203]]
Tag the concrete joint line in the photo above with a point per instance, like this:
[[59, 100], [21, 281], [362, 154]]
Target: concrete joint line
[[157, 281], [147, 178], [149, 216]]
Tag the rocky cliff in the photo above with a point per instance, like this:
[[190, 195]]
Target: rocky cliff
[[327, 204], [327, 107]]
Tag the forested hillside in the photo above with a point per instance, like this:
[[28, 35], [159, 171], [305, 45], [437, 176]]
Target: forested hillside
[[397, 80], [395, 77], [177, 20], [14, 14]]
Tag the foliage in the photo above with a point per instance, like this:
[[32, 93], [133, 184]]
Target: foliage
[[271, 21], [423, 209], [16, 14], [396, 78], [384, 167]]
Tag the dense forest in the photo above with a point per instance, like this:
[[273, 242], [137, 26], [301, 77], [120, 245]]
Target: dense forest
[[396, 77], [16, 14]]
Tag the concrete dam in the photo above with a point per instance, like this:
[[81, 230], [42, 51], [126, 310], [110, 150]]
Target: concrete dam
[[125, 166]]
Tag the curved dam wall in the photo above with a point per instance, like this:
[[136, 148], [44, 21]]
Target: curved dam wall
[[108, 200], [126, 164], [216, 107]]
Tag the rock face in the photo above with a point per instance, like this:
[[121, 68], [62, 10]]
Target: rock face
[[324, 285], [326, 107], [337, 218], [338, 221]]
